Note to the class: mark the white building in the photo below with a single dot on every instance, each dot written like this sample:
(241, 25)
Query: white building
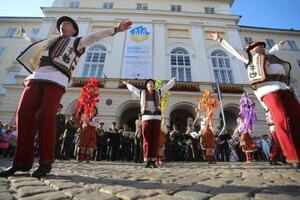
(176, 44)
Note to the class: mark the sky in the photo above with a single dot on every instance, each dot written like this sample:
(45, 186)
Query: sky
(282, 14)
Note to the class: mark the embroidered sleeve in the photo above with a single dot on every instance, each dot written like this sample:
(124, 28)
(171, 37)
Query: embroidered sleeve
(32, 37)
(134, 90)
(239, 54)
(168, 86)
(92, 38)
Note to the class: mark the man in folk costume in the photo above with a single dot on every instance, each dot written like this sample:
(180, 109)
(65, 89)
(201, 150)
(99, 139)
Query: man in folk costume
(151, 116)
(269, 77)
(50, 63)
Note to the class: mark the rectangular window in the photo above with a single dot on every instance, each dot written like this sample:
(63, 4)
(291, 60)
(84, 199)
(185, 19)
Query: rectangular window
(86, 70)
(142, 6)
(176, 8)
(247, 40)
(35, 31)
(292, 44)
(1, 51)
(188, 74)
(10, 32)
(270, 43)
(209, 10)
(108, 5)
(298, 62)
(74, 4)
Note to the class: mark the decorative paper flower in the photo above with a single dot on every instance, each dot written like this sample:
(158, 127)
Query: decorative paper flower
(164, 99)
(88, 99)
(247, 114)
(208, 103)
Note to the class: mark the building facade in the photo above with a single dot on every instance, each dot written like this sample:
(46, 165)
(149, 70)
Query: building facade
(171, 39)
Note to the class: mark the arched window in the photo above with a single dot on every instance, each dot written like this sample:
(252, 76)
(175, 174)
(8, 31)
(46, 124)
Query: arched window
(94, 61)
(221, 64)
(181, 64)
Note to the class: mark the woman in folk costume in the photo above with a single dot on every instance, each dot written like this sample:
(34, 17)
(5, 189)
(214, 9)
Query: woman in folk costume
(208, 141)
(246, 120)
(151, 116)
(269, 77)
(50, 63)
(87, 140)
(86, 105)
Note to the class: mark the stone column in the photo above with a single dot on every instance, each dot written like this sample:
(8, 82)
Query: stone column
(160, 66)
(201, 71)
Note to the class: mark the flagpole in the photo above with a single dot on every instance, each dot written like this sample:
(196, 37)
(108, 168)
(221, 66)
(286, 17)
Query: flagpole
(221, 104)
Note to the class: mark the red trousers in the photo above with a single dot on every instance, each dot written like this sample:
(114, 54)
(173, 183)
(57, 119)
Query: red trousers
(275, 148)
(40, 97)
(285, 110)
(150, 131)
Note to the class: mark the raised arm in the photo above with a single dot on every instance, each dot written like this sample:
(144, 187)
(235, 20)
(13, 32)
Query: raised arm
(28, 36)
(92, 38)
(168, 86)
(239, 54)
(132, 89)
(276, 49)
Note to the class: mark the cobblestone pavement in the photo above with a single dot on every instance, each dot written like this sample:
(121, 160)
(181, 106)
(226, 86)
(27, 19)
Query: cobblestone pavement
(182, 181)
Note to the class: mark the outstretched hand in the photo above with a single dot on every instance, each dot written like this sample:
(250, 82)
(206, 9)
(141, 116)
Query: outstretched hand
(124, 25)
(21, 31)
(282, 42)
(215, 36)
(125, 82)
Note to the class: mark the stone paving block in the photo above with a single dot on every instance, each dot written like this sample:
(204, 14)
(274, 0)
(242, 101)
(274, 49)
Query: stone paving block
(14, 179)
(136, 194)
(6, 196)
(199, 188)
(191, 195)
(4, 188)
(64, 185)
(94, 196)
(19, 184)
(114, 189)
(163, 197)
(95, 186)
(32, 190)
(47, 196)
(231, 196)
(72, 192)
(234, 189)
(264, 196)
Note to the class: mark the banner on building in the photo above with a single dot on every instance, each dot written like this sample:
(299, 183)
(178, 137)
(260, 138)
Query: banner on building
(137, 60)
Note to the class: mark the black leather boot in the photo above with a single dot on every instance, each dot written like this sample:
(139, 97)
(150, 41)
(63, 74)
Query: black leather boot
(42, 170)
(153, 164)
(12, 170)
(147, 164)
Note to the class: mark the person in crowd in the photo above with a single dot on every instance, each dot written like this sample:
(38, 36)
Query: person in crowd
(71, 127)
(60, 128)
(101, 143)
(113, 142)
(138, 141)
